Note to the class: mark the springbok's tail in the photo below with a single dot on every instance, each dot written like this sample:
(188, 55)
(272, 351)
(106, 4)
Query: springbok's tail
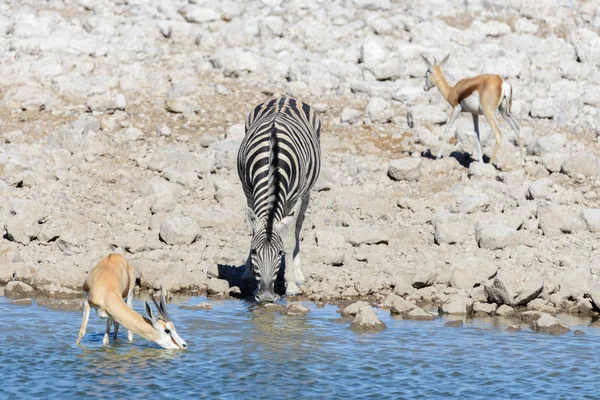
(506, 99)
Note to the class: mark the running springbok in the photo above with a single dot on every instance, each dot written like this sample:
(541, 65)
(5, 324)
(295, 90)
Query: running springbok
(107, 286)
(480, 95)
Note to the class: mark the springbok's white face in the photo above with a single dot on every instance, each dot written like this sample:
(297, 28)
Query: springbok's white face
(168, 337)
(433, 71)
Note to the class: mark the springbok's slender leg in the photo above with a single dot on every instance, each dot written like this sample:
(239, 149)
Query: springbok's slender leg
(109, 322)
(477, 136)
(130, 304)
(298, 275)
(84, 322)
(449, 123)
(491, 119)
(116, 332)
(513, 124)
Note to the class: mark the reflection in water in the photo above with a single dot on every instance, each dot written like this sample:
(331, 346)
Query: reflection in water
(276, 335)
(238, 352)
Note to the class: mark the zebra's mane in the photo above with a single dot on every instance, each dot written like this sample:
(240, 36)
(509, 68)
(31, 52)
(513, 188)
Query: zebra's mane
(274, 177)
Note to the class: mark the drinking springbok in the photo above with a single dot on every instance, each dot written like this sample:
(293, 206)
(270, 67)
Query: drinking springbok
(105, 288)
(480, 95)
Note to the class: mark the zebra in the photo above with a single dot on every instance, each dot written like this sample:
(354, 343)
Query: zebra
(278, 163)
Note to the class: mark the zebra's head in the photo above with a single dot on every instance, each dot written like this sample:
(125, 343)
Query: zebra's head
(266, 253)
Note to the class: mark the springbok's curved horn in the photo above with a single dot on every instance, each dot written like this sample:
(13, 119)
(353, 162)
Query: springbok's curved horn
(426, 60)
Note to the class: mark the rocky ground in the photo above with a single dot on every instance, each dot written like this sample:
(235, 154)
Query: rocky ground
(120, 122)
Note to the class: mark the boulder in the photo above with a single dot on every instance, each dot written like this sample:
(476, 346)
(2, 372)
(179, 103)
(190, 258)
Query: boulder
(549, 324)
(400, 306)
(484, 308)
(471, 271)
(482, 171)
(217, 286)
(379, 110)
(585, 164)
(418, 314)
(542, 108)
(373, 51)
(496, 236)
(553, 143)
(179, 230)
(352, 309)
(196, 14)
(350, 115)
(513, 287)
(366, 236)
(556, 219)
(18, 290)
(591, 218)
(540, 189)
(505, 311)
(296, 308)
(457, 304)
(450, 231)
(366, 320)
(405, 169)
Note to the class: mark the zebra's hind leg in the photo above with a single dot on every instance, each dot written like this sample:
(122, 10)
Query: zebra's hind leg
(297, 263)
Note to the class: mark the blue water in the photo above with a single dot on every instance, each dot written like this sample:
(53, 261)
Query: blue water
(235, 353)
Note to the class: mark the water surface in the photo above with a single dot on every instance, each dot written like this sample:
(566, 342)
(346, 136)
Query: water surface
(237, 354)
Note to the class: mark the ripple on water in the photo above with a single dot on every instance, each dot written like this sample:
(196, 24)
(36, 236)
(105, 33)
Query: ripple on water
(237, 353)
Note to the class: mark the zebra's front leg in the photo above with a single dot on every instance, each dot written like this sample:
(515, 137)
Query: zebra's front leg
(299, 276)
(289, 246)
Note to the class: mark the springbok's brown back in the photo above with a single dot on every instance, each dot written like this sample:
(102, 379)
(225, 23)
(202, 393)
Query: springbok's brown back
(115, 275)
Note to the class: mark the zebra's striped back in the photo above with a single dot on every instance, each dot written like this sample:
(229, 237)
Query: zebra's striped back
(279, 158)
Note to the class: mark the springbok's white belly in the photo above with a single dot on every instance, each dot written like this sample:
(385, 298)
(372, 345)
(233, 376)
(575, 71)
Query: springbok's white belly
(101, 313)
(471, 104)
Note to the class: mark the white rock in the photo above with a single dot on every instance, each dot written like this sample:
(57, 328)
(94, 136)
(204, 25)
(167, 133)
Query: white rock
(513, 287)
(592, 95)
(585, 164)
(549, 324)
(428, 114)
(364, 235)
(179, 230)
(496, 236)
(591, 217)
(373, 51)
(379, 110)
(457, 304)
(350, 115)
(366, 320)
(471, 271)
(540, 189)
(195, 14)
(236, 61)
(542, 108)
(547, 144)
(556, 219)
(405, 169)
(163, 130)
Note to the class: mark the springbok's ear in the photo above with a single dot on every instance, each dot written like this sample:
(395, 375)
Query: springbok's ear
(163, 306)
(251, 219)
(426, 60)
(149, 313)
(445, 59)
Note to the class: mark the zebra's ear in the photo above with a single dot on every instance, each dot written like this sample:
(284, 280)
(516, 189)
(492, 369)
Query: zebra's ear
(251, 219)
